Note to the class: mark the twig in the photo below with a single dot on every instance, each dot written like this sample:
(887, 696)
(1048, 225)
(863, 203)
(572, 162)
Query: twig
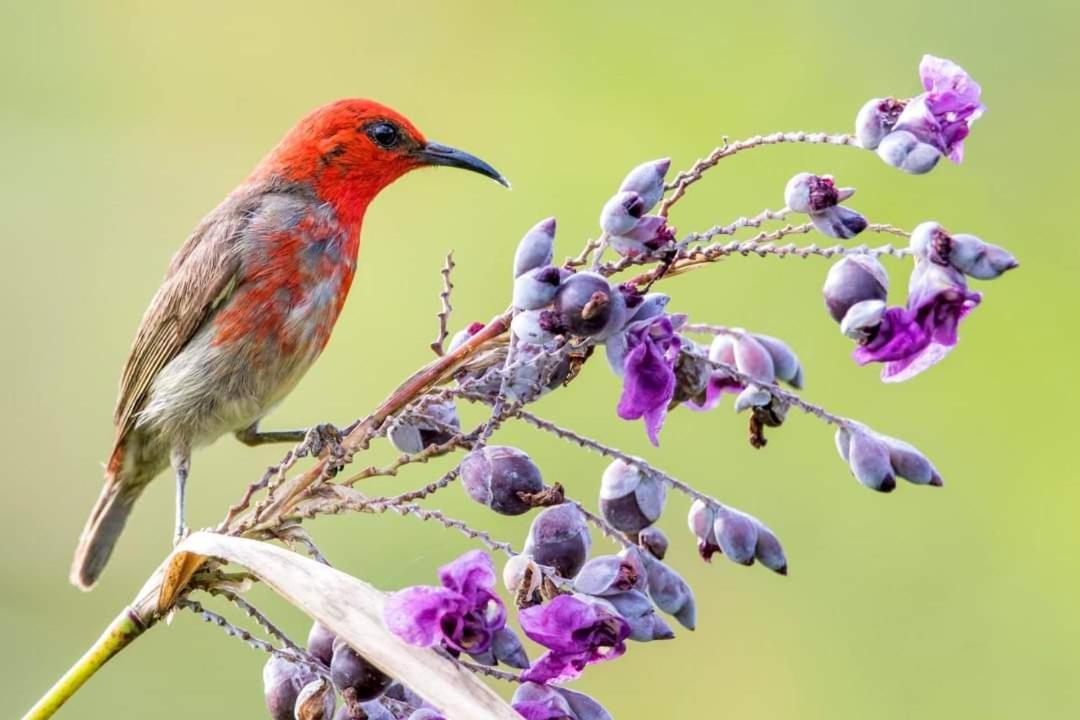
(446, 308)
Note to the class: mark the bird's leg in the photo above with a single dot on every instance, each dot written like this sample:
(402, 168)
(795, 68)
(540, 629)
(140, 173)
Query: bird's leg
(180, 458)
(314, 439)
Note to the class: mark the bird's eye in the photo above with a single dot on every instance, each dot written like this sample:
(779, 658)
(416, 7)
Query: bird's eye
(384, 134)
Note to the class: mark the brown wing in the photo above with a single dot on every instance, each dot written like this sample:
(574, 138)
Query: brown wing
(200, 276)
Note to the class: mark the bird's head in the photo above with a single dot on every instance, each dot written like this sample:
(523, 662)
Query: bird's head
(351, 149)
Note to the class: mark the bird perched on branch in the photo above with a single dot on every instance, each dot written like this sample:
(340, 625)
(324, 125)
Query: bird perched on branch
(249, 302)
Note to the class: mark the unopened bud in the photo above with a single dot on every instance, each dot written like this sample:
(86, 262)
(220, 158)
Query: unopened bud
(654, 541)
(752, 396)
(751, 358)
(671, 593)
(853, 279)
(507, 649)
(868, 459)
(639, 612)
(630, 499)
(355, 678)
(587, 306)
(519, 570)
(621, 213)
(809, 194)
(497, 476)
(431, 426)
(875, 120)
(537, 248)
(785, 362)
(533, 700)
(862, 318)
(648, 235)
(461, 336)
(736, 534)
(647, 180)
(282, 682)
(839, 222)
(583, 706)
(910, 464)
(320, 643)
(903, 150)
(701, 518)
(611, 574)
(536, 288)
(373, 710)
(966, 253)
(315, 701)
(536, 326)
(559, 538)
(768, 549)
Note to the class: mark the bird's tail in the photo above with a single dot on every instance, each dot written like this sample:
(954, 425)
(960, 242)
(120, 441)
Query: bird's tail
(103, 528)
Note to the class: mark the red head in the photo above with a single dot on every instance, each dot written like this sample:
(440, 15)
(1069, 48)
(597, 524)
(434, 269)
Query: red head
(351, 149)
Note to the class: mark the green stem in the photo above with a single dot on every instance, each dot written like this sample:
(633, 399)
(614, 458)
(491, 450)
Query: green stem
(117, 636)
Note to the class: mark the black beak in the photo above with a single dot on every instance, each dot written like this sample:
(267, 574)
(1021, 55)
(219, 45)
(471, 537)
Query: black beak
(435, 154)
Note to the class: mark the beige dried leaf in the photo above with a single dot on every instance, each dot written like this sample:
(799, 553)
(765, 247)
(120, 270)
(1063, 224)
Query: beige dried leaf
(353, 610)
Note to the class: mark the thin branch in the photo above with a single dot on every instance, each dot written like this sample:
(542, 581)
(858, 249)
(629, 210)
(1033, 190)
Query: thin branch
(446, 307)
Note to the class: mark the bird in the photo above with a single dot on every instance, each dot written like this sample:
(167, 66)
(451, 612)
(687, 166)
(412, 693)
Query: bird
(249, 302)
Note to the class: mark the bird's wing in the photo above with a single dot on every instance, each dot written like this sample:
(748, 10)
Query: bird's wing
(200, 277)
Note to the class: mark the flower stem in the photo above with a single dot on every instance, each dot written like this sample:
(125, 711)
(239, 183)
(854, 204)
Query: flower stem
(117, 636)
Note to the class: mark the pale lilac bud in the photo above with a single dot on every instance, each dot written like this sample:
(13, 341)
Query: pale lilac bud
(751, 358)
(559, 538)
(622, 212)
(737, 535)
(651, 305)
(638, 610)
(768, 550)
(461, 336)
(425, 714)
(839, 222)
(536, 288)
(587, 306)
(654, 541)
(320, 643)
(701, 519)
(647, 180)
(910, 464)
(497, 476)
(648, 235)
(354, 676)
(413, 433)
(752, 396)
(537, 248)
(373, 710)
(875, 120)
(853, 279)
(533, 700)
(610, 575)
(903, 150)
(507, 649)
(630, 499)
(583, 706)
(966, 253)
(315, 701)
(671, 593)
(282, 682)
(517, 570)
(536, 326)
(785, 362)
(868, 458)
(862, 318)
(809, 194)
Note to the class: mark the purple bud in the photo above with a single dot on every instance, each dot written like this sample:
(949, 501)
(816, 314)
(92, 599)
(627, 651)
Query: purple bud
(751, 358)
(320, 643)
(651, 305)
(315, 701)
(399, 692)
(638, 610)
(507, 648)
(648, 235)
(583, 706)
(903, 150)
(282, 682)
(559, 538)
(587, 306)
(536, 288)
(752, 396)
(876, 119)
(536, 326)
(373, 710)
(647, 180)
(785, 361)
(909, 463)
(868, 458)
(701, 519)
(537, 248)
(534, 701)
(810, 194)
(411, 434)
(621, 213)
(461, 336)
(425, 714)
(839, 222)
(853, 279)
(862, 318)
(736, 534)
(654, 541)
(496, 475)
(629, 499)
(671, 593)
(768, 550)
(355, 678)
(611, 574)
(967, 253)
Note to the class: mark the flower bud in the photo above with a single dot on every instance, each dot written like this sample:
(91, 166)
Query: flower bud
(630, 499)
(282, 682)
(785, 362)
(320, 643)
(853, 279)
(862, 318)
(868, 458)
(752, 396)
(737, 535)
(507, 648)
(768, 549)
(355, 678)
(533, 700)
(839, 222)
(497, 475)
(651, 305)
(425, 714)
(647, 180)
(519, 569)
(671, 593)
(654, 541)
(701, 519)
(875, 120)
(411, 434)
(638, 610)
(966, 253)
(461, 336)
(610, 575)
(621, 213)
(559, 538)
(648, 235)
(537, 327)
(810, 194)
(399, 692)
(910, 464)
(315, 701)
(751, 358)
(583, 706)
(903, 150)
(373, 710)
(587, 306)
(536, 288)
(536, 249)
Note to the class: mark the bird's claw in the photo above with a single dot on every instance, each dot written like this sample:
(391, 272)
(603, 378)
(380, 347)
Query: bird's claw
(181, 534)
(323, 437)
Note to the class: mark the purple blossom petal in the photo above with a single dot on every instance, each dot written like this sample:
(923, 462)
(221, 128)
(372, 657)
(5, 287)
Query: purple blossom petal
(471, 575)
(649, 374)
(943, 115)
(417, 614)
(577, 634)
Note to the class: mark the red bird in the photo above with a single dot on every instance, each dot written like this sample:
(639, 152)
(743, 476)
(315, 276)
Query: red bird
(249, 302)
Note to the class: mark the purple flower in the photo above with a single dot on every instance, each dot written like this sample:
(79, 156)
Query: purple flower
(464, 614)
(540, 702)
(576, 633)
(943, 115)
(652, 350)
(913, 338)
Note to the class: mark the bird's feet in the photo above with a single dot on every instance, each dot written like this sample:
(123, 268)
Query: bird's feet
(182, 531)
(325, 437)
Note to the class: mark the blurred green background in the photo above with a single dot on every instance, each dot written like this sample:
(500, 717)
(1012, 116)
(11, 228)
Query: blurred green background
(122, 123)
